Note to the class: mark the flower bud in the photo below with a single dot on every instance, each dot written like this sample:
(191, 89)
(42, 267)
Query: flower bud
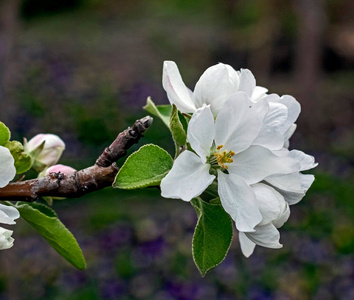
(60, 168)
(6, 241)
(66, 170)
(45, 148)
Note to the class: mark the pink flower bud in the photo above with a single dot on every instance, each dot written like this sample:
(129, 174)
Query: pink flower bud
(60, 168)
(52, 149)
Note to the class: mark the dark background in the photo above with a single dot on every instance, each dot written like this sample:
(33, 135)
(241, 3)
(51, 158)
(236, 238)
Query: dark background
(83, 70)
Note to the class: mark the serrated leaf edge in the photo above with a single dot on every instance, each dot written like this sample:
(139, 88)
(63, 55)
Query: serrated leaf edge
(203, 273)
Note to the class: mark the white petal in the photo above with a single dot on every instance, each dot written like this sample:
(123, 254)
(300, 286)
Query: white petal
(269, 138)
(293, 187)
(276, 116)
(271, 135)
(306, 181)
(6, 241)
(7, 167)
(271, 204)
(247, 82)
(306, 161)
(288, 134)
(8, 214)
(284, 216)
(257, 163)
(188, 178)
(176, 90)
(239, 201)
(239, 122)
(258, 93)
(287, 182)
(215, 86)
(201, 132)
(247, 246)
(283, 152)
(266, 236)
(293, 106)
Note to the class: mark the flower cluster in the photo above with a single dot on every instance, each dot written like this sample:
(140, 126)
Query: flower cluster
(45, 151)
(239, 138)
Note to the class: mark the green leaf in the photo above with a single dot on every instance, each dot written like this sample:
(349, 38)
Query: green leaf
(161, 111)
(23, 161)
(45, 221)
(178, 133)
(145, 167)
(212, 236)
(5, 134)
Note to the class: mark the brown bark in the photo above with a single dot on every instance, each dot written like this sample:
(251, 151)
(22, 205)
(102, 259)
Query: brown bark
(82, 182)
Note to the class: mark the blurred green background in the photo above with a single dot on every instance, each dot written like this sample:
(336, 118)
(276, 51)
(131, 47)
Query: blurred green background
(83, 69)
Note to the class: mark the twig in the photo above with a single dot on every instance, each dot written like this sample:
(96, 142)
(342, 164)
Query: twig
(82, 182)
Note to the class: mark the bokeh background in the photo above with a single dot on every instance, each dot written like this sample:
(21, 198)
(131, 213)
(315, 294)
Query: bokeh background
(83, 69)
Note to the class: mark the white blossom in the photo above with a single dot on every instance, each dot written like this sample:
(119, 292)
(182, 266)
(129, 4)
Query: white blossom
(214, 87)
(7, 167)
(239, 137)
(224, 149)
(8, 215)
(6, 241)
(52, 149)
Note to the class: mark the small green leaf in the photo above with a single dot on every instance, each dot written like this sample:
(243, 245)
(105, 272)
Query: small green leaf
(212, 236)
(5, 134)
(23, 161)
(45, 221)
(145, 167)
(161, 111)
(178, 133)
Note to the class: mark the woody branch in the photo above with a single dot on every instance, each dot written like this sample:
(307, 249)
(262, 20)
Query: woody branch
(82, 182)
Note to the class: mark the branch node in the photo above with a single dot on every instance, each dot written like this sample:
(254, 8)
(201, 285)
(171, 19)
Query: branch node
(77, 184)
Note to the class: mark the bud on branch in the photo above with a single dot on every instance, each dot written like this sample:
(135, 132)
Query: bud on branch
(82, 182)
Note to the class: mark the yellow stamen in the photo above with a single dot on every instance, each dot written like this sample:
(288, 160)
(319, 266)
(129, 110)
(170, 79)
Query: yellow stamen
(220, 158)
(223, 157)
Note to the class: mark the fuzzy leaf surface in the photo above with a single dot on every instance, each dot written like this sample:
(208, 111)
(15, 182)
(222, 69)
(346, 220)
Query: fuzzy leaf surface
(23, 161)
(161, 111)
(143, 168)
(179, 135)
(212, 236)
(45, 221)
(4, 134)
